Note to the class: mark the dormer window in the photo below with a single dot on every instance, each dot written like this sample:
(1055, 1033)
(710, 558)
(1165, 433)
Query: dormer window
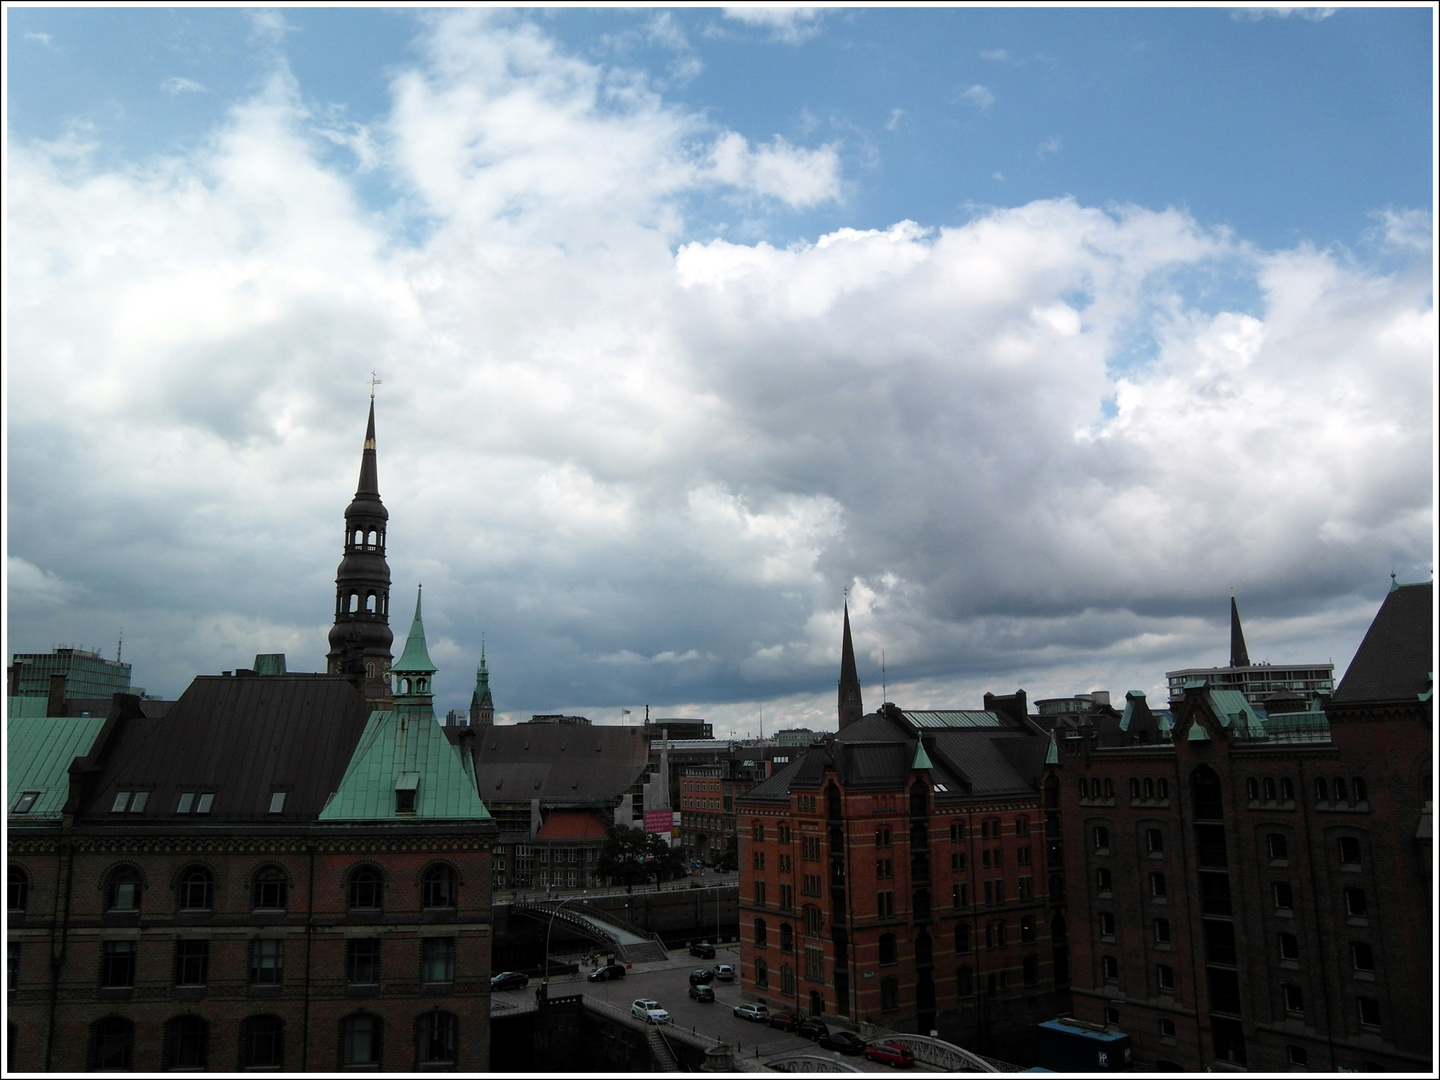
(277, 802)
(190, 802)
(133, 801)
(405, 789)
(25, 802)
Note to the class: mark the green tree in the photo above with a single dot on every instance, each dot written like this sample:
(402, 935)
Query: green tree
(630, 855)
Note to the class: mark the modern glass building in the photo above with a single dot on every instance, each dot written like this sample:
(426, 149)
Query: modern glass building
(87, 675)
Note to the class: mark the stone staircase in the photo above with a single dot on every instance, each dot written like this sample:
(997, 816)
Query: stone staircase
(660, 1051)
(644, 952)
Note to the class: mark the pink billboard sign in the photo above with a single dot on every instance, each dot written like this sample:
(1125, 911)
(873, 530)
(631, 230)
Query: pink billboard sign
(659, 821)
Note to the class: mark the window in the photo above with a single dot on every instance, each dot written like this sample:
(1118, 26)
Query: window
(437, 1037)
(1369, 1011)
(759, 894)
(1110, 968)
(1355, 902)
(995, 935)
(757, 832)
(437, 959)
(1157, 885)
(1362, 956)
(186, 1043)
(122, 889)
(112, 1044)
(1022, 826)
(1252, 789)
(1084, 788)
(887, 949)
(1297, 1055)
(1027, 930)
(1102, 879)
(1322, 789)
(810, 848)
(884, 868)
(1276, 846)
(437, 887)
(1107, 923)
(1167, 1029)
(366, 887)
(787, 898)
(360, 1040)
(362, 961)
(964, 982)
(1161, 928)
(262, 1043)
(814, 964)
(1154, 840)
(1162, 788)
(133, 801)
(1102, 838)
(268, 892)
(405, 797)
(12, 964)
(889, 994)
(117, 963)
(1109, 788)
(762, 972)
(25, 802)
(962, 937)
(1288, 945)
(1134, 787)
(957, 862)
(882, 837)
(192, 962)
(1359, 788)
(957, 831)
(1022, 856)
(787, 938)
(1340, 795)
(1268, 787)
(762, 935)
(17, 896)
(1350, 850)
(196, 889)
(885, 904)
(960, 895)
(267, 961)
(1282, 894)
(757, 860)
(1165, 977)
(1149, 788)
(1294, 998)
(1287, 789)
(277, 802)
(782, 832)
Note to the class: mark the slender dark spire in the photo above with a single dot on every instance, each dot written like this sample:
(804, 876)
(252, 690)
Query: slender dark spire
(851, 707)
(1238, 656)
(369, 483)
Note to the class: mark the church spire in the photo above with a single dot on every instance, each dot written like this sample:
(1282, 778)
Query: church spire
(414, 672)
(851, 707)
(482, 705)
(360, 640)
(1238, 656)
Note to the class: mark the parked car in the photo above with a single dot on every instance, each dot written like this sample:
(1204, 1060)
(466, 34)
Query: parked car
(785, 1021)
(725, 973)
(847, 1042)
(509, 980)
(811, 1028)
(703, 949)
(701, 992)
(702, 975)
(607, 972)
(649, 1011)
(751, 1011)
(890, 1053)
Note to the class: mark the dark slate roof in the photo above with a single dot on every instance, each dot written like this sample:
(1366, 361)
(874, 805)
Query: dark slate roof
(776, 789)
(557, 763)
(994, 764)
(241, 737)
(1394, 662)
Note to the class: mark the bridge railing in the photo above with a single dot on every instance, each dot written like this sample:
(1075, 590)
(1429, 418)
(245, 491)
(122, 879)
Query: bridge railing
(944, 1055)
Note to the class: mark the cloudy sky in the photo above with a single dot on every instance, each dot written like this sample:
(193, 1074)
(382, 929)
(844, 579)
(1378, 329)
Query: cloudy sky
(1035, 330)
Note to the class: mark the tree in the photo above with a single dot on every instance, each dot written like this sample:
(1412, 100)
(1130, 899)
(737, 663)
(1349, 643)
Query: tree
(729, 859)
(630, 855)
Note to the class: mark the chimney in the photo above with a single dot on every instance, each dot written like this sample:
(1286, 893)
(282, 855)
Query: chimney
(56, 707)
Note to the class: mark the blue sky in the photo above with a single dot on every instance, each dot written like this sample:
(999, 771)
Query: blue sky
(691, 319)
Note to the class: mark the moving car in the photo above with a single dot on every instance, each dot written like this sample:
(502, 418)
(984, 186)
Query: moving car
(701, 992)
(724, 972)
(649, 1011)
(702, 975)
(811, 1028)
(785, 1021)
(847, 1042)
(703, 949)
(890, 1053)
(509, 980)
(606, 972)
(751, 1011)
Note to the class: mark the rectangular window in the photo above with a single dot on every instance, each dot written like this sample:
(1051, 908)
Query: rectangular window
(759, 894)
(187, 800)
(1022, 856)
(1107, 924)
(204, 802)
(815, 965)
(785, 865)
(1165, 976)
(989, 894)
(985, 860)
(117, 963)
(957, 831)
(12, 963)
(787, 897)
(1297, 1055)
(1288, 945)
(1162, 931)
(1369, 1011)
(1355, 902)
(958, 897)
(267, 961)
(1167, 1029)
(957, 862)
(137, 803)
(999, 892)
(1350, 850)
(1276, 846)
(885, 904)
(995, 859)
(437, 963)
(1294, 998)
(362, 961)
(1110, 968)
(192, 962)
(122, 800)
(1102, 879)
(964, 982)
(1282, 894)
(1027, 888)
(277, 802)
(757, 860)
(884, 868)
(25, 802)
(1362, 956)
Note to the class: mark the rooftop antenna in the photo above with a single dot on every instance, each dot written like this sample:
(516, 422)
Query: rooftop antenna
(120, 644)
(762, 721)
(374, 382)
(884, 689)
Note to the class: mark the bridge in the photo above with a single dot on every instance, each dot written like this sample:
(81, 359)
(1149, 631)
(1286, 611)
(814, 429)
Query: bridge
(608, 930)
(947, 1057)
(800, 1061)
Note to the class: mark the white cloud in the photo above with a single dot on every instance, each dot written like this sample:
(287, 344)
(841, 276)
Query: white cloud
(1255, 14)
(998, 56)
(979, 96)
(1049, 146)
(1413, 229)
(790, 25)
(894, 119)
(177, 85)
(43, 39)
(794, 175)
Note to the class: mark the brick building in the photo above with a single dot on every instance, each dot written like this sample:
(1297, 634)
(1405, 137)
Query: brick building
(1254, 891)
(893, 875)
(708, 794)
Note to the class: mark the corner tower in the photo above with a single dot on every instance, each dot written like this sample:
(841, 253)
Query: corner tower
(851, 707)
(360, 640)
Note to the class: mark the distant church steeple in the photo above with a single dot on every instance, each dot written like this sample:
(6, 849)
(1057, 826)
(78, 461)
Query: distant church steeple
(1238, 656)
(482, 705)
(851, 707)
(360, 640)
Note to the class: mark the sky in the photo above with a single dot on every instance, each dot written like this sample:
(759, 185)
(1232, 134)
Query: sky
(1033, 332)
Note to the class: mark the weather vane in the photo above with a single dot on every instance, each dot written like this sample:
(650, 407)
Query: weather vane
(374, 382)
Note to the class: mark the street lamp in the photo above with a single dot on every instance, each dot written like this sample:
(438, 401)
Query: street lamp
(545, 980)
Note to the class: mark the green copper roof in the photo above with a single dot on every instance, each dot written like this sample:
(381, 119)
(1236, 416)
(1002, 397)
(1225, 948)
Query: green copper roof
(1052, 755)
(415, 658)
(922, 759)
(1233, 709)
(38, 753)
(406, 750)
(1197, 732)
(956, 718)
(16, 707)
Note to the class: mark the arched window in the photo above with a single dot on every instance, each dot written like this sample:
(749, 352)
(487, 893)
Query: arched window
(1252, 788)
(197, 889)
(1149, 788)
(787, 980)
(962, 937)
(112, 1044)
(370, 538)
(122, 890)
(1162, 789)
(1287, 789)
(1322, 789)
(1030, 968)
(924, 948)
(919, 799)
(437, 1037)
(1134, 788)
(366, 888)
(1157, 885)
(360, 1039)
(1209, 798)
(787, 938)
(1268, 787)
(887, 949)
(1027, 930)
(187, 1041)
(761, 934)
(17, 895)
(268, 889)
(370, 603)
(1109, 788)
(354, 601)
(1102, 838)
(1084, 788)
(1340, 795)
(762, 972)
(262, 1043)
(438, 887)
(1361, 792)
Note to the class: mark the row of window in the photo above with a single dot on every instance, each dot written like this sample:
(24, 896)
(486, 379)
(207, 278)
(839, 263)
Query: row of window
(1256, 788)
(1276, 845)
(267, 961)
(1362, 954)
(269, 888)
(186, 1045)
(990, 829)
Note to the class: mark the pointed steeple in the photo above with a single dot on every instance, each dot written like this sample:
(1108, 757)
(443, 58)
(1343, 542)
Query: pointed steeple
(482, 705)
(851, 707)
(414, 673)
(1238, 656)
(360, 640)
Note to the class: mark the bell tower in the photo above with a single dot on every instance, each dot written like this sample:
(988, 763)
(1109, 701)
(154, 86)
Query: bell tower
(360, 640)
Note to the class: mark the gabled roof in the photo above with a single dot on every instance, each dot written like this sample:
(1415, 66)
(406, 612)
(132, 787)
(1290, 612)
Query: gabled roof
(38, 754)
(557, 763)
(776, 788)
(399, 749)
(1394, 662)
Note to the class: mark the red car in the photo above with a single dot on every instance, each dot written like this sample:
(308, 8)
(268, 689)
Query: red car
(785, 1021)
(889, 1053)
